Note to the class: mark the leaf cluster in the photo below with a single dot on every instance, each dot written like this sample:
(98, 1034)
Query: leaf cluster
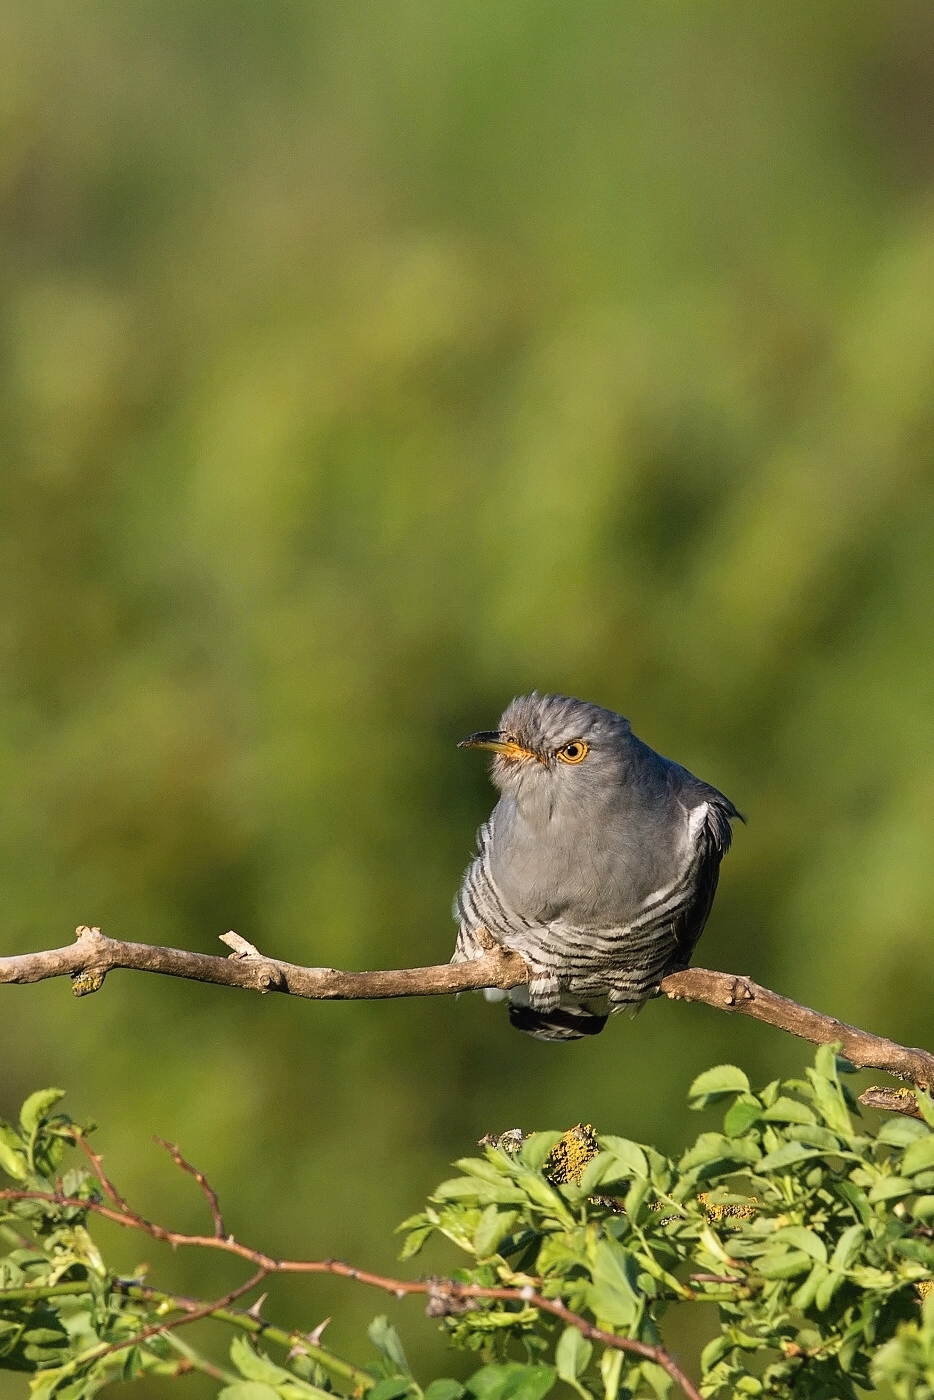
(812, 1234)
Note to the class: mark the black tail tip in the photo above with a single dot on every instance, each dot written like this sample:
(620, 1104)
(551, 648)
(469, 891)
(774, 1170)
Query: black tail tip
(557, 1024)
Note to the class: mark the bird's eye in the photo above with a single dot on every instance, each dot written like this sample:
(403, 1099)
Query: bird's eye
(574, 752)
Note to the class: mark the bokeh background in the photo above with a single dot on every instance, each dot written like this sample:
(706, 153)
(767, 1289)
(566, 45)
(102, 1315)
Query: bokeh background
(368, 362)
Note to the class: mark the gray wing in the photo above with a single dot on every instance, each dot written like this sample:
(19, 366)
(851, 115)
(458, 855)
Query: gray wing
(630, 961)
(713, 842)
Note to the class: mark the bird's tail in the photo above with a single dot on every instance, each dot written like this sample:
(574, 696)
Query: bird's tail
(559, 1024)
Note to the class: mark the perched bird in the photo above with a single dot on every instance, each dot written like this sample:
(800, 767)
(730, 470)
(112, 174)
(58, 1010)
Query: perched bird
(599, 863)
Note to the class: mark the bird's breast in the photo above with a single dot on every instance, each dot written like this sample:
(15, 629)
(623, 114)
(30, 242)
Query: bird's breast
(591, 873)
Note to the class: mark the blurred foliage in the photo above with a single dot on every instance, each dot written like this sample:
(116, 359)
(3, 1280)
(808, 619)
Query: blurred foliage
(811, 1235)
(363, 365)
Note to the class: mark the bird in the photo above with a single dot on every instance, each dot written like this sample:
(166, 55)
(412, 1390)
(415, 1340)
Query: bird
(599, 863)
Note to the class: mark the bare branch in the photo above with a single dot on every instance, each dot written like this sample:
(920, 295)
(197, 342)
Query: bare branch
(93, 954)
(727, 992)
(88, 960)
(202, 1181)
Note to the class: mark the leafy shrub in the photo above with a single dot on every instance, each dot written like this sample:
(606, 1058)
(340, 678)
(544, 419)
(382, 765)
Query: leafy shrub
(813, 1235)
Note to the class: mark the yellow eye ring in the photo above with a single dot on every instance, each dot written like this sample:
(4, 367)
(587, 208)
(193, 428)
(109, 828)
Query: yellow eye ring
(574, 752)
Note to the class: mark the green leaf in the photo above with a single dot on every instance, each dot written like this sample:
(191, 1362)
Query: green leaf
(785, 1156)
(635, 1198)
(925, 1106)
(715, 1351)
(825, 1061)
(533, 1385)
(540, 1193)
(923, 1208)
(471, 1188)
(919, 1156)
(13, 1163)
(494, 1226)
(46, 1336)
(386, 1340)
(628, 1154)
(37, 1107)
(657, 1377)
(572, 1354)
(390, 1388)
(785, 1110)
(741, 1116)
(512, 1381)
(919, 1250)
(483, 1168)
(132, 1365)
(614, 1295)
(889, 1188)
(249, 1390)
(784, 1263)
(714, 1147)
(600, 1171)
(444, 1389)
(847, 1247)
(537, 1149)
(858, 1199)
(715, 1083)
(611, 1364)
(806, 1294)
(900, 1131)
(416, 1238)
(254, 1366)
(829, 1099)
(826, 1289)
(801, 1238)
(821, 1138)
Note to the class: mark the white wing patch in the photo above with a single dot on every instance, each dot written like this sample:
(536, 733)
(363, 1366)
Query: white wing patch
(697, 819)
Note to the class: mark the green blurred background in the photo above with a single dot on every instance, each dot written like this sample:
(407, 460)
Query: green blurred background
(366, 364)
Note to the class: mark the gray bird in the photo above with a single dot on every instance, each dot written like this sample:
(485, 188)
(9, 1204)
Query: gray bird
(599, 863)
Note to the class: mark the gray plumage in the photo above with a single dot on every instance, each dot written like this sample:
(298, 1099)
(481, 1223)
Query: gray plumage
(599, 863)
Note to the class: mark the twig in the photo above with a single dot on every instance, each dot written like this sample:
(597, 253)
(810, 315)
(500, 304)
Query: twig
(92, 956)
(202, 1181)
(97, 1165)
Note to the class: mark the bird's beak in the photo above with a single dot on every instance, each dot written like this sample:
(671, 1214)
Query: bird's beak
(498, 742)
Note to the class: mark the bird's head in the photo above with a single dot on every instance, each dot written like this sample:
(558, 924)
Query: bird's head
(548, 746)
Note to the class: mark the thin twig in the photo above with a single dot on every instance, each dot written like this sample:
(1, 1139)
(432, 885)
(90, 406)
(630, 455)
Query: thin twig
(202, 1181)
(97, 1165)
